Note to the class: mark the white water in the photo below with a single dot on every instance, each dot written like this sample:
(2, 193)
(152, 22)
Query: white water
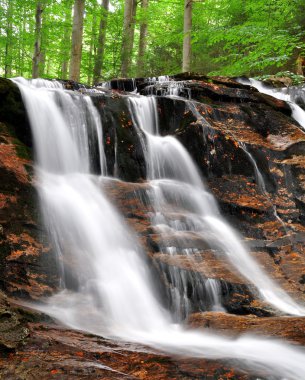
(89, 234)
(176, 184)
(114, 295)
(165, 86)
(285, 94)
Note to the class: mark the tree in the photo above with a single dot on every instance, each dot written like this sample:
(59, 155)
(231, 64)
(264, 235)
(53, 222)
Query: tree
(229, 37)
(128, 35)
(65, 40)
(37, 57)
(187, 29)
(8, 45)
(99, 59)
(77, 36)
(142, 39)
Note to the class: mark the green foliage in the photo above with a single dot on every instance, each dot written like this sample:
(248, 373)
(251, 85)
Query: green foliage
(229, 37)
(296, 79)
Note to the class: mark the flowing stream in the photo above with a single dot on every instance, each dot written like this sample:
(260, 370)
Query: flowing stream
(113, 292)
(289, 94)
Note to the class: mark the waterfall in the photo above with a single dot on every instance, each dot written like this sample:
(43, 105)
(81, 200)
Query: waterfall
(290, 95)
(112, 291)
(177, 188)
(94, 243)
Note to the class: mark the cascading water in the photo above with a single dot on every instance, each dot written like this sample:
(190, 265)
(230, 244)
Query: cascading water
(290, 95)
(93, 241)
(258, 175)
(178, 189)
(167, 87)
(112, 292)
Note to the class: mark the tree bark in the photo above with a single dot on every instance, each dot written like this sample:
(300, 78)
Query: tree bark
(63, 72)
(8, 43)
(77, 37)
(128, 36)
(99, 59)
(37, 46)
(187, 29)
(300, 65)
(142, 40)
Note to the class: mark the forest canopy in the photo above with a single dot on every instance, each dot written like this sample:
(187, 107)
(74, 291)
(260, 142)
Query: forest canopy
(119, 38)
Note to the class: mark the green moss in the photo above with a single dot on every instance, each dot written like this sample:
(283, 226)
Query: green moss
(23, 151)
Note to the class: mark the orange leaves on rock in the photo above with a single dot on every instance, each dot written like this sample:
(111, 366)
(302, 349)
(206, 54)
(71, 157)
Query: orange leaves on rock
(80, 354)
(54, 372)
(25, 244)
(294, 256)
(5, 199)
(10, 160)
(230, 375)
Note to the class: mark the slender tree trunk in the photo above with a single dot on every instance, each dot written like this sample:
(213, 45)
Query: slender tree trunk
(37, 46)
(300, 65)
(66, 40)
(128, 35)
(22, 48)
(187, 29)
(98, 66)
(77, 37)
(64, 69)
(142, 40)
(8, 43)
(92, 46)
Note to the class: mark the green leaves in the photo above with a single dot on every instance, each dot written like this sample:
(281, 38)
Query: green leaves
(255, 36)
(229, 37)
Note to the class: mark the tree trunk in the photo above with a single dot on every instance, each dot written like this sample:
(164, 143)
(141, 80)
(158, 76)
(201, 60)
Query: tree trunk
(99, 59)
(92, 47)
(187, 29)
(77, 37)
(23, 44)
(8, 44)
(300, 65)
(128, 36)
(65, 41)
(37, 46)
(142, 40)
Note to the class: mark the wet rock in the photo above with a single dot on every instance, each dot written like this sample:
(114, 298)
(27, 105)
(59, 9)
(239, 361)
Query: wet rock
(27, 262)
(291, 329)
(13, 330)
(12, 111)
(123, 149)
(53, 352)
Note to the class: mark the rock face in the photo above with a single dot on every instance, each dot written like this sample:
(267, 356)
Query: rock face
(28, 267)
(250, 153)
(12, 329)
(290, 328)
(56, 353)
